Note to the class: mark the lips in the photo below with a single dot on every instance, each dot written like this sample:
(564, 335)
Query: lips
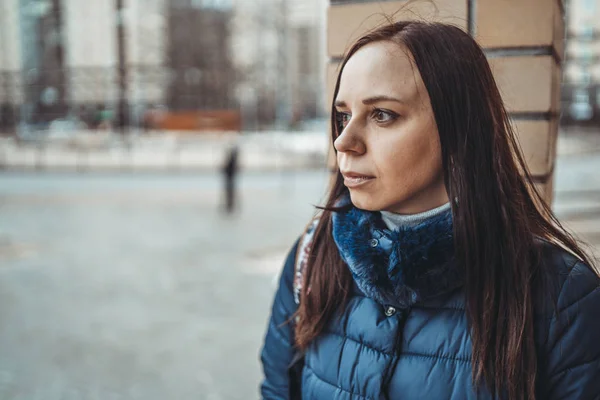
(354, 179)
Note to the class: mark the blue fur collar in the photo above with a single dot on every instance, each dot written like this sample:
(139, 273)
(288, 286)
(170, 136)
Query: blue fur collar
(399, 267)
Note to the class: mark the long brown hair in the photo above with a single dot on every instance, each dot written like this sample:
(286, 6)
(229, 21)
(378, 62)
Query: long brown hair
(496, 221)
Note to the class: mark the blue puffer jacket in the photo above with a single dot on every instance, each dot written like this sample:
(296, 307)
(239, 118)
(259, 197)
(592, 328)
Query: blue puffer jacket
(404, 333)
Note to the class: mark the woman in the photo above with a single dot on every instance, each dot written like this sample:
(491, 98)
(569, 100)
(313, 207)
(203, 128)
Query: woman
(431, 273)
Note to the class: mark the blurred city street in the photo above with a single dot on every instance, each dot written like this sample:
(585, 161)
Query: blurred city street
(137, 286)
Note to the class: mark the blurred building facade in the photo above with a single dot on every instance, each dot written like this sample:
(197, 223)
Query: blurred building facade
(279, 50)
(581, 88)
(68, 60)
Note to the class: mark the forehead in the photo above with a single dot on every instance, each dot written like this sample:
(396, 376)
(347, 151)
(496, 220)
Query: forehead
(380, 68)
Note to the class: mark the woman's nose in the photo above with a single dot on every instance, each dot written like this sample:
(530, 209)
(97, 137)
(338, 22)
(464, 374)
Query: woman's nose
(349, 141)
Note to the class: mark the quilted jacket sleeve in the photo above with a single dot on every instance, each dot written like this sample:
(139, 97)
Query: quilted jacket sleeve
(574, 338)
(278, 352)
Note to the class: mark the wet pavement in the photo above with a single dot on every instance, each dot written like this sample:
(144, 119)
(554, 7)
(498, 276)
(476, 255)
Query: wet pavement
(138, 287)
(125, 286)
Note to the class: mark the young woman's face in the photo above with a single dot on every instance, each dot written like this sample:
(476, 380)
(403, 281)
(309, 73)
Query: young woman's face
(389, 150)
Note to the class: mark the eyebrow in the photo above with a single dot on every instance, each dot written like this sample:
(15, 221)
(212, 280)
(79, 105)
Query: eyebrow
(370, 100)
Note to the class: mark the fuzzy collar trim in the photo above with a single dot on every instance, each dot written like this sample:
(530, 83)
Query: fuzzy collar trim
(416, 264)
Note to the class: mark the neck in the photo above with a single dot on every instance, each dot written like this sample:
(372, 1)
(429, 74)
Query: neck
(394, 221)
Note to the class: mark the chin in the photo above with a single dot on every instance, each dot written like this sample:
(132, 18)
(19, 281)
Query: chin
(365, 202)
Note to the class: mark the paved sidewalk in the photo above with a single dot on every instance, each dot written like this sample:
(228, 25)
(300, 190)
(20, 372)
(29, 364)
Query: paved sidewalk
(137, 286)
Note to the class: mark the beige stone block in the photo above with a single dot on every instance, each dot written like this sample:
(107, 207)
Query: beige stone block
(559, 30)
(525, 82)
(347, 22)
(556, 88)
(536, 140)
(550, 191)
(510, 23)
(555, 129)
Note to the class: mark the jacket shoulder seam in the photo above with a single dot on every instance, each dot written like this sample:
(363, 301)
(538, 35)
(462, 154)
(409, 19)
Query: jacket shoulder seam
(569, 277)
(570, 269)
(580, 299)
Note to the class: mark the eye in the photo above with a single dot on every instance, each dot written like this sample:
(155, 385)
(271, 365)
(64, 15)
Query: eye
(342, 119)
(383, 116)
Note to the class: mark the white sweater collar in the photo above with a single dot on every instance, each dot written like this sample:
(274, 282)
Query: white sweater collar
(394, 221)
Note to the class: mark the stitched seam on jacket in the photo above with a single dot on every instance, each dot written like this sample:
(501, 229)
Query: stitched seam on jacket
(436, 357)
(556, 316)
(567, 369)
(438, 308)
(359, 342)
(275, 329)
(336, 386)
(410, 354)
(567, 279)
(580, 299)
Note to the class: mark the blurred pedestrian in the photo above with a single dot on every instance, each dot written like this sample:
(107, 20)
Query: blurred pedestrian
(230, 170)
(433, 271)
(103, 118)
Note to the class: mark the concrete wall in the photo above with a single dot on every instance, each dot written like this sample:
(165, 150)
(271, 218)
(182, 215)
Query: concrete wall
(524, 44)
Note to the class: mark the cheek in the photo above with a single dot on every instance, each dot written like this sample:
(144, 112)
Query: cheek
(410, 160)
